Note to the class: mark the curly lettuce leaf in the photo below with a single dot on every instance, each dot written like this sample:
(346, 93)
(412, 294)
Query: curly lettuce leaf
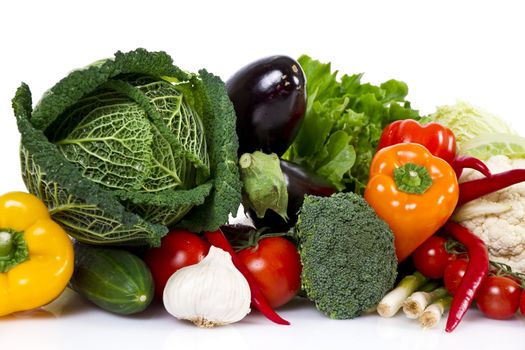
(339, 155)
(343, 123)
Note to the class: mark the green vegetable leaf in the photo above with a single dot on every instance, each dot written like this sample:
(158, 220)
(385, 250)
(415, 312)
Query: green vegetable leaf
(316, 128)
(124, 147)
(219, 122)
(469, 122)
(87, 212)
(394, 91)
(486, 146)
(360, 110)
(340, 155)
(112, 148)
(322, 83)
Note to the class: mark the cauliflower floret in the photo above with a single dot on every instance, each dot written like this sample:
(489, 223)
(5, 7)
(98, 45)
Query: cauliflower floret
(500, 218)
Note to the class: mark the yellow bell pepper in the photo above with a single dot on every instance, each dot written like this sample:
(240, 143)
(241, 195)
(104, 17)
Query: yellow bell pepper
(36, 254)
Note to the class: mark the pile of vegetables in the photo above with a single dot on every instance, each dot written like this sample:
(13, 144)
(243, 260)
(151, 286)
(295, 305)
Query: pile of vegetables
(470, 279)
(134, 165)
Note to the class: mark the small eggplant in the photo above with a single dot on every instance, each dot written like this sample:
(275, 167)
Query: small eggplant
(299, 182)
(269, 97)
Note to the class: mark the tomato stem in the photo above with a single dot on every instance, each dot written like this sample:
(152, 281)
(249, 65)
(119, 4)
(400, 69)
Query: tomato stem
(505, 270)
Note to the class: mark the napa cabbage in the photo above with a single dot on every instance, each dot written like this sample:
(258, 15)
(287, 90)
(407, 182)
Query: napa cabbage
(469, 122)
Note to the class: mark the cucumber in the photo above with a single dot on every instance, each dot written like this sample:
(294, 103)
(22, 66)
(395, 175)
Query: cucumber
(113, 279)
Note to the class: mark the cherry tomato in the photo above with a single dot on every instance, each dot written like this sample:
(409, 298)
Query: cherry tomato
(431, 257)
(522, 303)
(498, 297)
(453, 275)
(178, 249)
(276, 266)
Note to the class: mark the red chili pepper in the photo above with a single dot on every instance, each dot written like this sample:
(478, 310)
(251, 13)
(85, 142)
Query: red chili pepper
(477, 270)
(219, 240)
(461, 162)
(438, 139)
(474, 189)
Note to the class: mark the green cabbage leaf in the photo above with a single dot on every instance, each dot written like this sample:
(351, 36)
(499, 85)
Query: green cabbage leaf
(469, 122)
(127, 147)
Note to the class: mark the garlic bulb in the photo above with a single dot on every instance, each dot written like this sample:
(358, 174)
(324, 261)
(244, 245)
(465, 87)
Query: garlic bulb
(210, 293)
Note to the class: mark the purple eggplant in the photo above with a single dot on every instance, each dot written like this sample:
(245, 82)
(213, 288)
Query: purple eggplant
(299, 182)
(269, 97)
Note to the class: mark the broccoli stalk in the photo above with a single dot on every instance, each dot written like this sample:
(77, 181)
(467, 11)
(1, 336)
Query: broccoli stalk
(393, 301)
(347, 253)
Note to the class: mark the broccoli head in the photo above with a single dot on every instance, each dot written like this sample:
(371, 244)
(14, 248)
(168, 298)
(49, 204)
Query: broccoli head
(347, 253)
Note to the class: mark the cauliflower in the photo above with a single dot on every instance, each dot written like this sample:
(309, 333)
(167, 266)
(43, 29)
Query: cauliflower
(498, 218)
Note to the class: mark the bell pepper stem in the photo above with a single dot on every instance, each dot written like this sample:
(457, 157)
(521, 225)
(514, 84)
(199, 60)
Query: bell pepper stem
(6, 245)
(13, 249)
(412, 178)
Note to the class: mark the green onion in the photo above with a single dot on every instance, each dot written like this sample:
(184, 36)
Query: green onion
(393, 301)
(433, 313)
(415, 305)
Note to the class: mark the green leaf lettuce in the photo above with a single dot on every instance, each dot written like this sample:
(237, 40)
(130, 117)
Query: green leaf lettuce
(343, 123)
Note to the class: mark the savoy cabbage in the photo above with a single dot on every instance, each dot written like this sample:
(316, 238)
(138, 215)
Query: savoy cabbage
(126, 147)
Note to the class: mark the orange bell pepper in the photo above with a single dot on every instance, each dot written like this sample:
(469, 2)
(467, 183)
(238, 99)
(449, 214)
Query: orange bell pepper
(413, 191)
(36, 254)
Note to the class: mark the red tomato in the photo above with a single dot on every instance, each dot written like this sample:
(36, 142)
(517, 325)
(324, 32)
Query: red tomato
(498, 297)
(431, 257)
(453, 275)
(178, 249)
(522, 303)
(276, 266)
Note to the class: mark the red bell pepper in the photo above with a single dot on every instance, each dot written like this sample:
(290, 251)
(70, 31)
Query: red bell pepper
(438, 139)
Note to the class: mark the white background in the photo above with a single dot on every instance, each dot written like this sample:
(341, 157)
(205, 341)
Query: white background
(444, 50)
